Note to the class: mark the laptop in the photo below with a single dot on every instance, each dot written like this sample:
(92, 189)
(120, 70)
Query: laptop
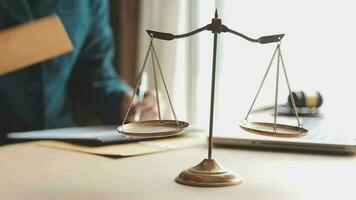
(324, 135)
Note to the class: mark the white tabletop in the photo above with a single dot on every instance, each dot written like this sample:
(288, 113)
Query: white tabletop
(31, 172)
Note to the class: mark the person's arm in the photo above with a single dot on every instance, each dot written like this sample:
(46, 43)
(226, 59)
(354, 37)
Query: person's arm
(94, 82)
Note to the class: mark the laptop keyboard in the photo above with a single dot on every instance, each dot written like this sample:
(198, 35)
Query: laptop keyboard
(319, 129)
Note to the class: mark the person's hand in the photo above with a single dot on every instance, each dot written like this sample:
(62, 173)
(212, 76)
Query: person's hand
(145, 110)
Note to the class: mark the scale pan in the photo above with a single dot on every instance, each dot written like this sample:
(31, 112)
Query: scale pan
(282, 130)
(152, 128)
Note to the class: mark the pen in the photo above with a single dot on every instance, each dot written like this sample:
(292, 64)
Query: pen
(141, 93)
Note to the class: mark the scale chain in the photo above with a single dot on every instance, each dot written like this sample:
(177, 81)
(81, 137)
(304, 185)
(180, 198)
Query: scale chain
(156, 87)
(164, 84)
(289, 90)
(138, 82)
(262, 82)
(276, 94)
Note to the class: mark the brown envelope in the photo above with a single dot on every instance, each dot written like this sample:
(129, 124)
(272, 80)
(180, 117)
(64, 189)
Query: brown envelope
(131, 149)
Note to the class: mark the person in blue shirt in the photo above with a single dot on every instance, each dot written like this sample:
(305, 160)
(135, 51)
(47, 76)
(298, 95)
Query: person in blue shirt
(41, 96)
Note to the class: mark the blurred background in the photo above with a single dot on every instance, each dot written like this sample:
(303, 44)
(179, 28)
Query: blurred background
(318, 51)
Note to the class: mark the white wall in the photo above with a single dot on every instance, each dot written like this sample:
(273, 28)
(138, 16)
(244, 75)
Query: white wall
(319, 52)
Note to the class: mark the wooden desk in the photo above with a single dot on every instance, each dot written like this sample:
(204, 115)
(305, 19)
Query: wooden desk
(30, 172)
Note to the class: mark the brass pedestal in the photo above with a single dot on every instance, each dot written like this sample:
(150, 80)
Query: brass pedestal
(208, 173)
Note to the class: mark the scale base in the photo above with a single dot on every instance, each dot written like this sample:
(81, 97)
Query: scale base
(208, 173)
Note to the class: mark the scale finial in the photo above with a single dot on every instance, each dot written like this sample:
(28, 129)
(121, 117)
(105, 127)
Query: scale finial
(216, 13)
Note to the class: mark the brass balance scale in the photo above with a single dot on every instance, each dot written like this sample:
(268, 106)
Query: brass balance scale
(209, 173)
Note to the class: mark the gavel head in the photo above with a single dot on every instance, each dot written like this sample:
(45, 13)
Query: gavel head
(306, 99)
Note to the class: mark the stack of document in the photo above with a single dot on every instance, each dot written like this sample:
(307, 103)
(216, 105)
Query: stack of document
(106, 141)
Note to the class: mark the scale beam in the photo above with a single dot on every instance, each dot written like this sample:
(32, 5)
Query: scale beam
(170, 36)
(262, 40)
(215, 27)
